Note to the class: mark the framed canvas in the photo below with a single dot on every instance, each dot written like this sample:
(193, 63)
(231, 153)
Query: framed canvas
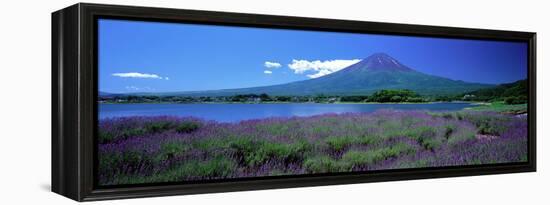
(156, 102)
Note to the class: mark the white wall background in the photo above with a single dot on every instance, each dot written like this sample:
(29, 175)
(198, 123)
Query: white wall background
(25, 102)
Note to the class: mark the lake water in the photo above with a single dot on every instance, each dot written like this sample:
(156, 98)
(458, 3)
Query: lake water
(238, 112)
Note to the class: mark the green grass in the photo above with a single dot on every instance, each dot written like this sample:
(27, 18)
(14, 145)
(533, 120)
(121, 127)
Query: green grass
(322, 164)
(502, 107)
(265, 151)
(339, 143)
(214, 168)
(147, 128)
(257, 152)
(156, 127)
(187, 127)
(106, 137)
(355, 158)
(171, 149)
(426, 136)
(185, 150)
(132, 159)
(461, 137)
(358, 158)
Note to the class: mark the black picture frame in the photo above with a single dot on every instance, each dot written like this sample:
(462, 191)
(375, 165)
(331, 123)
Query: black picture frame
(74, 93)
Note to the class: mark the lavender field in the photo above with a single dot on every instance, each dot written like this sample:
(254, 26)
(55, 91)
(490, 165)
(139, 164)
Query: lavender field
(136, 150)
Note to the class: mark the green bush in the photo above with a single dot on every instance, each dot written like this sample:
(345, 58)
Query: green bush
(133, 132)
(105, 137)
(156, 127)
(415, 99)
(460, 137)
(187, 127)
(425, 136)
(431, 144)
(171, 149)
(356, 158)
(265, 151)
(243, 144)
(515, 100)
(449, 129)
(218, 167)
(321, 164)
(339, 143)
(108, 137)
(126, 163)
(393, 96)
(256, 153)
(208, 144)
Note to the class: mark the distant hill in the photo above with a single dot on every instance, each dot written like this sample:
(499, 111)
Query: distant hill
(106, 94)
(378, 71)
(512, 93)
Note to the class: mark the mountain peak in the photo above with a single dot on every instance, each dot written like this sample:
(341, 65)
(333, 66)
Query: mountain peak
(381, 55)
(376, 72)
(380, 62)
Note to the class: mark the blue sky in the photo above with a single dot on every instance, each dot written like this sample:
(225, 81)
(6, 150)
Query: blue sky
(139, 56)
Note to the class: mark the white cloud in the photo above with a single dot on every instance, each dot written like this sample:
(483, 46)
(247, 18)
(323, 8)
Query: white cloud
(320, 68)
(268, 72)
(139, 75)
(319, 74)
(268, 64)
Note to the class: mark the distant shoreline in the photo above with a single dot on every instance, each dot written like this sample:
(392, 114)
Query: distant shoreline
(335, 103)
